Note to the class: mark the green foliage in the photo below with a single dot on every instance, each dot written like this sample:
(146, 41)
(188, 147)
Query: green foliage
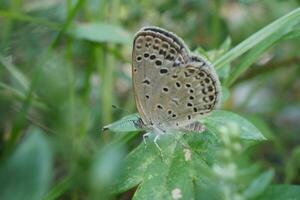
(185, 159)
(126, 124)
(219, 121)
(63, 64)
(160, 178)
(288, 192)
(258, 185)
(27, 173)
(97, 32)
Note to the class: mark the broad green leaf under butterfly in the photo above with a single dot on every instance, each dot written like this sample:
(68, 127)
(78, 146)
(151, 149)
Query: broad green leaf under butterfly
(220, 120)
(214, 122)
(173, 177)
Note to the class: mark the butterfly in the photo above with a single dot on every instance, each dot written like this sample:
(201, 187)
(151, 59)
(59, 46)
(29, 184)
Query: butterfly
(172, 87)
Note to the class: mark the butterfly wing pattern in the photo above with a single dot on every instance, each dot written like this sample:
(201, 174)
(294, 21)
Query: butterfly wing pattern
(172, 87)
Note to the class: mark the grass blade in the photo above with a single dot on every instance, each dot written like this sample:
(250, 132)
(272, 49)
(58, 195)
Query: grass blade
(284, 22)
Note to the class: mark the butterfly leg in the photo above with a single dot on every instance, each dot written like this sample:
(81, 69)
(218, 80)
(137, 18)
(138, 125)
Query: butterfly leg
(158, 147)
(144, 138)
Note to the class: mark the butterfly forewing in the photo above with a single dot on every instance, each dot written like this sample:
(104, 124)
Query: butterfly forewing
(154, 52)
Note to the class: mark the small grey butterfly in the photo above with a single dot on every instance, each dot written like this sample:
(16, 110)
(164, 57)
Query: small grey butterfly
(172, 87)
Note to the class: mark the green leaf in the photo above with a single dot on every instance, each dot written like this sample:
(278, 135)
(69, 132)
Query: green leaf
(202, 52)
(18, 94)
(208, 190)
(251, 57)
(216, 54)
(292, 34)
(27, 173)
(259, 185)
(225, 45)
(106, 166)
(174, 175)
(225, 94)
(15, 72)
(218, 120)
(292, 165)
(270, 30)
(59, 188)
(100, 32)
(105, 169)
(280, 192)
(126, 124)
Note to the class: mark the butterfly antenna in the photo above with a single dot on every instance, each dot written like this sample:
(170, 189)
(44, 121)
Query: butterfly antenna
(120, 109)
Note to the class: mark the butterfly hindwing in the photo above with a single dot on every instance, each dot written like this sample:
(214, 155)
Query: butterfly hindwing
(193, 91)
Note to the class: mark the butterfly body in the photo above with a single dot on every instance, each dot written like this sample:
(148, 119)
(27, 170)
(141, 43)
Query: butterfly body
(173, 88)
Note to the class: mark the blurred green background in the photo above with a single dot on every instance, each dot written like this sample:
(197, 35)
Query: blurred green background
(63, 64)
